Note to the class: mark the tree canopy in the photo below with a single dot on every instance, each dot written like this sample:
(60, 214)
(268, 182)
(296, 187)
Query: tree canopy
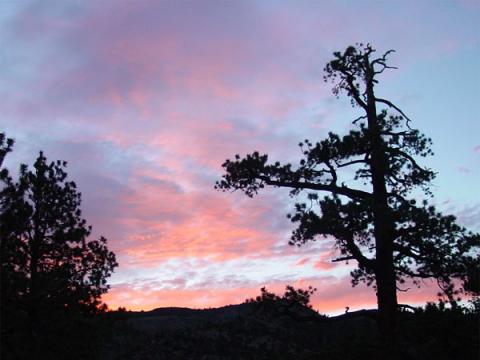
(48, 261)
(383, 219)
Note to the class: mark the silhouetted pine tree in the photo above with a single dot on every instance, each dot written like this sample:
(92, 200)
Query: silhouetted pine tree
(382, 219)
(49, 266)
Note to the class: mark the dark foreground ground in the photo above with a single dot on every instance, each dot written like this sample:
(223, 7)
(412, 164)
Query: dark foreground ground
(248, 331)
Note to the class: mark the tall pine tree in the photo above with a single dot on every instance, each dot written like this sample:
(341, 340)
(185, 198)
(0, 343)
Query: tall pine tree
(382, 219)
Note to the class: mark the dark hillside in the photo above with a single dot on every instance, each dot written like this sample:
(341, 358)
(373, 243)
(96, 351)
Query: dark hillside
(247, 331)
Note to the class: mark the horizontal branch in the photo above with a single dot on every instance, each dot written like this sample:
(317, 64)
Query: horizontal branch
(359, 161)
(392, 133)
(337, 190)
(345, 258)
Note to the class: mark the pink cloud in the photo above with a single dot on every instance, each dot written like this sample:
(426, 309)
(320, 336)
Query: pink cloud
(324, 265)
(302, 261)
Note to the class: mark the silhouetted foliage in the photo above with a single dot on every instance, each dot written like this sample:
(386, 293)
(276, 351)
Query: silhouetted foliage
(6, 145)
(299, 296)
(382, 218)
(294, 303)
(51, 273)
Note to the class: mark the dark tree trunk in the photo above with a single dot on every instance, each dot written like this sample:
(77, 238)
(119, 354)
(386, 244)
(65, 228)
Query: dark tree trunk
(383, 224)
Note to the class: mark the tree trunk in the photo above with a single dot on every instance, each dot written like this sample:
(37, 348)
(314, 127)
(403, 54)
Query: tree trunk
(383, 225)
(386, 293)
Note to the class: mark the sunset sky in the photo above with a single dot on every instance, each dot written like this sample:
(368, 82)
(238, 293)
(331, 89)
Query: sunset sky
(146, 99)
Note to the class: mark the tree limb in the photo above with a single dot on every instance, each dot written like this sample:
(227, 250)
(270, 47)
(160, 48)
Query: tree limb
(332, 172)
(390, 104)
(360, 161)
(358, 119)
(355, 93)
(357, 254)
(339, 190)
(408, 157)
(345, 258)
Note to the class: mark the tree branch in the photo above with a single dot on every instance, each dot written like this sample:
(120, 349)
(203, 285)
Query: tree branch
(363, 261)
(345, 258)
(407, 252)
(332, 172)
(391, 133)
(358, 119)
(360, 161)
(356, 254)
(355, 93)
(338, 190)
(390, 104)
(408, 157)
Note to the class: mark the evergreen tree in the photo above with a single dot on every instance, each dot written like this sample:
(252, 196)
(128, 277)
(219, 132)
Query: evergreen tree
(49, 266)
(382, 219)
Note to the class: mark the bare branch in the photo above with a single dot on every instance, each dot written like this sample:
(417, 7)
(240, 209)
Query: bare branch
(360, 161)
(381, 60)
(390, 104)
(358, 119)
(383, 69)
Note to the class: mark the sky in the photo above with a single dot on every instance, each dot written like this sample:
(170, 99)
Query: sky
(146, 99)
